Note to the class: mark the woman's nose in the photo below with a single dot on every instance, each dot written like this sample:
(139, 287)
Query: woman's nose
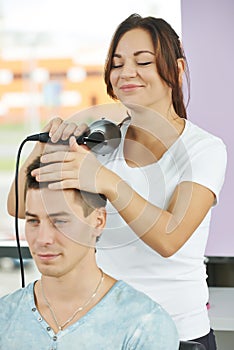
(128, 71)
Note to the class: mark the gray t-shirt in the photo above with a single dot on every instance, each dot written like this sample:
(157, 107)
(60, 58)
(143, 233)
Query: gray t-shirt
(124, 319)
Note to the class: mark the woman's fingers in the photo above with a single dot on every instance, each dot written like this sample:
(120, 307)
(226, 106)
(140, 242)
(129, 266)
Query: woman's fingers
(60, 129)
(61, 166)
(65, 184)
(80, 129)
(75, 168)
(56, 176)
(63, 131)
(53, 125)
(58, 156)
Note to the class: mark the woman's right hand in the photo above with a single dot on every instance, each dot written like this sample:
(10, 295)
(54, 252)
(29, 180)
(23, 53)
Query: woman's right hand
(60, 129)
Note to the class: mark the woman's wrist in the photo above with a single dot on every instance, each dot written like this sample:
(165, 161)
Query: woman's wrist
(118, 192)
(108, 183)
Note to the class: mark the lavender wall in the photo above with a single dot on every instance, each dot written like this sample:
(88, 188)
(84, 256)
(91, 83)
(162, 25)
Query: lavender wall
(208, 40)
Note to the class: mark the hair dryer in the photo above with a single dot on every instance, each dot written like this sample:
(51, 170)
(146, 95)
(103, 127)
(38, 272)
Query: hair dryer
(102, 137)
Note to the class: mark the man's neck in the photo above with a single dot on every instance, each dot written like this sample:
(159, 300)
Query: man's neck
(72, 285)
(62, 301)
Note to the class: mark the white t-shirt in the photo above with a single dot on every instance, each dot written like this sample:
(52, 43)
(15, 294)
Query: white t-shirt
(178, 283)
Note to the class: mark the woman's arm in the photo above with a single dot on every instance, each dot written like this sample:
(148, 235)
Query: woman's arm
(165, 231)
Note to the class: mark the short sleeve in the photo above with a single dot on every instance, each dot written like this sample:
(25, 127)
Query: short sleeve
(207, 166)
(156, 331)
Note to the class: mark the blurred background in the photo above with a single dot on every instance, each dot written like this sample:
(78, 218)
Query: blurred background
(52, 55)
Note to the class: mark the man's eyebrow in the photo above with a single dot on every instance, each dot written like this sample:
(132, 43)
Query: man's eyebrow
(59, 213)
(136, 53)
(27, 213)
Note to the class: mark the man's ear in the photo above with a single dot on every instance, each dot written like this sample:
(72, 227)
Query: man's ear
(181, 69)
(100, 221)
(100, 217)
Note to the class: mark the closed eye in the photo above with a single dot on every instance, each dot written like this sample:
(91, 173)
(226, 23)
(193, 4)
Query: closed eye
(144, 63)
(59, 222)
(116, 65)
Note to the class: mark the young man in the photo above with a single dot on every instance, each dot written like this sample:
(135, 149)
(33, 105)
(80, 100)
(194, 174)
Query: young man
(75, 305)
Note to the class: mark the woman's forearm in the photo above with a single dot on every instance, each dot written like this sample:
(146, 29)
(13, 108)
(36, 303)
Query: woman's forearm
(147, 221)
(165, 231)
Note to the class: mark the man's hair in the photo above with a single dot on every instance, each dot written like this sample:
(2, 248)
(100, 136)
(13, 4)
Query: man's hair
(88, 201)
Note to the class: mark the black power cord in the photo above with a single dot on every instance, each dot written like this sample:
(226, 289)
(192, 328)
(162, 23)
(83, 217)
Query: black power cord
(17, 211)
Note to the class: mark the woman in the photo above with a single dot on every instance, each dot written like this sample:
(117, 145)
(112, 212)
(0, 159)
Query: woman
(161, 182)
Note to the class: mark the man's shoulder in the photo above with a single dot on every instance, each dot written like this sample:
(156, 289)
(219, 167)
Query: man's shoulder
(11, 300)
(144, 320)
(130, 298)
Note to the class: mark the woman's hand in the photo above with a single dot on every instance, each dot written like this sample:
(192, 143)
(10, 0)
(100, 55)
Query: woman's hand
(60, 129)
(76, 167)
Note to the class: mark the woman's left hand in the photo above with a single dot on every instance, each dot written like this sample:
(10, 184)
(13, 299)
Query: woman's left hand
(76, 167)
